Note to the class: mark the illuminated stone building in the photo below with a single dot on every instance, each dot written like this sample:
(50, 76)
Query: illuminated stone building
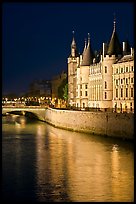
(123, 83)
(92, 76)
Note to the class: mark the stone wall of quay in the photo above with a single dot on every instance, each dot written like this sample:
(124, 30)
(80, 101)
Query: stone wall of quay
(102, 123)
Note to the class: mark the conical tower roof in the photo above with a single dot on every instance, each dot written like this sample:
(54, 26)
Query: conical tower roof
(84, 48)
(114, 47)
(73, 46)
(88, 54)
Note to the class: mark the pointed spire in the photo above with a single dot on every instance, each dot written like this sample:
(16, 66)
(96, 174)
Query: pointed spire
(74, 52)
(85, 42)
(73, 44)
(88, 39)
(84, 47)
(87, 54)
(114, 23)
(114, 47)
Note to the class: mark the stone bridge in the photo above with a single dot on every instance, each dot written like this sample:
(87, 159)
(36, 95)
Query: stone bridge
(37, 112)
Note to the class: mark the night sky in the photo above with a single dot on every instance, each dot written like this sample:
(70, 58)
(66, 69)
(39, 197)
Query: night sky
(36, 37)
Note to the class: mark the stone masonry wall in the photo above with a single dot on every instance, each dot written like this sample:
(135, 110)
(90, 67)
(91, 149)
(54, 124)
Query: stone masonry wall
(103, 123)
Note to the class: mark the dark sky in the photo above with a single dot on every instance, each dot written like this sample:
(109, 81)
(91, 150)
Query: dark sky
(36, 37)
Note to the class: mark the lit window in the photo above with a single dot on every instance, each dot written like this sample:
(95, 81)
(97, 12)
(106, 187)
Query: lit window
(121, 93)
(132, 92)
(80, 93)
(132, 80)
(105, 69)
(105, 95)
(126, 92)
(105, 85)
(116, 92)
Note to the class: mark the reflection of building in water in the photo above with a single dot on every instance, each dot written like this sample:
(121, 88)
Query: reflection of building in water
(42, 159)
(119, 170)
(78, 167)
(52, 166)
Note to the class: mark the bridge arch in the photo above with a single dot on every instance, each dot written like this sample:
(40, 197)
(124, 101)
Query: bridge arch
(35, 113)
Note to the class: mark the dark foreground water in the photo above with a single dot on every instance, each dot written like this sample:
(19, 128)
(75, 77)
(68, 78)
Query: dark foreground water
(43, 163)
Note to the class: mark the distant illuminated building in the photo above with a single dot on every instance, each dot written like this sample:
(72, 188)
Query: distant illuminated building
(56, 82)
(40, 88)
(93, 79)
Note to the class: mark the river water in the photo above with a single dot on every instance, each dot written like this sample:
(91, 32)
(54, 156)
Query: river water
(43, 163)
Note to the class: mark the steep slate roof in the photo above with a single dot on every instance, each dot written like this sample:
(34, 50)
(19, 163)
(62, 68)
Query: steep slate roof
(73, 45)
(84, 48)
(114, 47)
(88, 55)
(126, 58)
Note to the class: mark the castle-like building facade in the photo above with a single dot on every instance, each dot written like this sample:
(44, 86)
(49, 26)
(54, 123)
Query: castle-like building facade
(102, 79)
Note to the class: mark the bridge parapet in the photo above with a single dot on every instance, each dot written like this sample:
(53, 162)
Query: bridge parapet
(38, 111)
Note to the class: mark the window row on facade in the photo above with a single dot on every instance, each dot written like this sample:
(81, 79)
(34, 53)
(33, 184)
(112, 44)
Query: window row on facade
(124, 69)
(124, 81)
(124, 93)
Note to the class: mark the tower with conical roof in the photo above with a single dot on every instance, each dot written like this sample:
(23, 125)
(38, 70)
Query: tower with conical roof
(113, 52)
(91, 78)
(84, 73)
(73, 63)
(114, 47)
(87, 54)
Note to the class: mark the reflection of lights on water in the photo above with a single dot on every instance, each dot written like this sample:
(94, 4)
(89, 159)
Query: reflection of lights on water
(115, 148)
(39, 131)
(14, 116)
(115, 163)
(21, 123)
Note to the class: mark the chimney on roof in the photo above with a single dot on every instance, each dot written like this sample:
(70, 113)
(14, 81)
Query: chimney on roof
(124, 48)
(104, 49)
(132, 51)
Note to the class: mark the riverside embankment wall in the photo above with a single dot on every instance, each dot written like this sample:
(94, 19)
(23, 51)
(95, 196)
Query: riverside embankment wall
(103, 123)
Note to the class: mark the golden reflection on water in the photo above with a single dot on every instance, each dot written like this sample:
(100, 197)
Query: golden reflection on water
(122, 187)
(73, 166)
(76, 167)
